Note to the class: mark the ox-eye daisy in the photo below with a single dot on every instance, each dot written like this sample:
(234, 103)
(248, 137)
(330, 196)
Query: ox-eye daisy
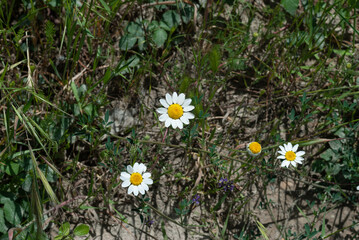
(254, 148)
(176, 111)
(137, 178)
(290, 155)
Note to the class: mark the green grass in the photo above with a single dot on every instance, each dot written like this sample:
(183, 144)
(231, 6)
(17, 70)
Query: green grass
(267, 72)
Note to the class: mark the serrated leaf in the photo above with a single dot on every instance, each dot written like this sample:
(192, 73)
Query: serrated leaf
(159, 36)
(214, 59)
(290, 6)
(82, 230)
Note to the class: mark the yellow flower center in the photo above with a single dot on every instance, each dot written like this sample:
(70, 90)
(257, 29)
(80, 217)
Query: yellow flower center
(136, 178)
(175, 111)
(255, 147)
(290, 155)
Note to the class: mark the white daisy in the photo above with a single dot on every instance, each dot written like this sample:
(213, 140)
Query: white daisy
(358, 188)
(136, 179)
(290, 155)
(176, 111)
(254, 148)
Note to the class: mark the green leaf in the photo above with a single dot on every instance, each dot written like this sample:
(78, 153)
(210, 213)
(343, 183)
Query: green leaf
(82, 230)
(3, 227)
(327, 155)
(171, 18)
(12, 212)
(89, 110)
(127, 42)
(12, 169)
(164, 26)
(49, 173)
(153, 26)
(74, 90)
(135, 29)
(335, 145)
(214, 59)
(159, 36)
(26, 185)
(64, 229)
(290, 6)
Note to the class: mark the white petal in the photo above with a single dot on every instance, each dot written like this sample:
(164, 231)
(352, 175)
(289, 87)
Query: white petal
(180, 99)
(298, 161)
(294, 163)
(281, 157)
(282, 148)
(284, 164)
(145, 186)
(184, 120)
(141, 189)
(188, 115)
(130, 189)
(135, 190)
(281, 152)
(148, 181)
(125, 176)
(136, 167)
(143, 168)
(163, 117)
(169, 99)
(174, 97)
(186, 102)
(188, 108)
(290, 146)
(358, 188)
(179, 124)
(300, 153)
(168, 122)
(295, 148)
(126, 183)
(146, 175)
(299, 158)
(129, 169)
(174, 123)
(161, 110)
(164, 103)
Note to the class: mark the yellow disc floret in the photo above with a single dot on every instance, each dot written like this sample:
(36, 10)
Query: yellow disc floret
(136, 178)
(290, 156)
(175, 111)
(255, 147)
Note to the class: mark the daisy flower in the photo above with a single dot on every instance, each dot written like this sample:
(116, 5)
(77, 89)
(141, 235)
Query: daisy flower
(137, 178)
(290, 155)
(176, 111)
(358, 188)
(254, 148)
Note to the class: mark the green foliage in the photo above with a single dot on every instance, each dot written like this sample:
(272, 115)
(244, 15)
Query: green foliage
(290, 6)
(50, 34)
(65, 232)
(159, 30)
